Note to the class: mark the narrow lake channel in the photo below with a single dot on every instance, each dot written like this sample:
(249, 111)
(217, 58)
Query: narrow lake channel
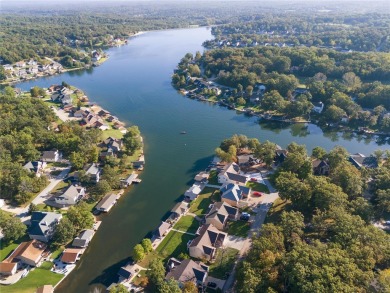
(134, 84)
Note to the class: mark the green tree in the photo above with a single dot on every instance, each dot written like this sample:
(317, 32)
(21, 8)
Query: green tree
(80, 216)
(147, 245)
(63, 233)
(333, 114)
(318, 152)
(348, 178)
(119, 288)
(241, 101)
(138, 253)
(131, 140)
(291, 188)
(12, 228)
(337, 156)
(292, 225)
(32, 208)
(2, 73)
(156, 272)
(190, 287)
(169, 286)
(102, 188)
(273, 101)
(383, 201)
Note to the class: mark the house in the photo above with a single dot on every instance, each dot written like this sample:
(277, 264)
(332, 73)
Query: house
(179, 209)
(79, 114)
(205, 245)
(51, 156)
(20, 64)
(345, 119)
(96, 56)
(140, 163)
(107, 202)
(193, 192)
(71, 196)
(129, 180)
(245, 161)
(320, 167)
(43, 225)
(84, 238)
(230, 174)
(125, 272)
(187, 271)
(45, 289)
(29, 253)
(318, 107)
(36, 166)
(71, 255)
(360, 160)
(162, 229)
(202, 177)
(113, 144)
(233, 194)
(220, 213)
(93, 171)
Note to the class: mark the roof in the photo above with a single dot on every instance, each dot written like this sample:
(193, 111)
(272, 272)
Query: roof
(234, 192)
(131, 178)
(42, 222)
(83, 238)
(360, 160)
(231, 168)
(188, 270)
(319, 163)
(221, 211)
(202, 175)
(194, 189)
(49, 154)
(125, 272)
(31, 250)
(180, 207)
(164, 226)
(107, 202)
(45, 289)
(72, 192)
(7, 267)
(93, 169)
(237, 177)
(208, 239)
(70, 255)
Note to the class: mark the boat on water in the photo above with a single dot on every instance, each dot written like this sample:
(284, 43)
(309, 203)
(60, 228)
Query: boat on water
(183, 132)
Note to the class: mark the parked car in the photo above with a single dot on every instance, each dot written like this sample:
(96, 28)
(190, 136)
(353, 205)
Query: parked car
(211, 285)
(245, 216)
(254, 179)
(257, 194)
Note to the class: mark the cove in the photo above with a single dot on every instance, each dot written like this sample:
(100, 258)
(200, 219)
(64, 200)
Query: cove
(134, 84)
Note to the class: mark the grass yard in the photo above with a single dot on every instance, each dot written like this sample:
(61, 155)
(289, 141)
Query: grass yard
(223, 263)
(279, 205)
(213, 178)
(255, 186)
(56, 253)
(187, 224)
(173, 244)
(205, 198)
(115, 133)
(36, 278)
(238, 228)
(6, 249)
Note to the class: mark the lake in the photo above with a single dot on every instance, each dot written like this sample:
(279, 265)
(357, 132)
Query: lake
(134, 84)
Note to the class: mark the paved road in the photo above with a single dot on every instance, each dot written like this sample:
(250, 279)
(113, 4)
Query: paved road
(40, 198)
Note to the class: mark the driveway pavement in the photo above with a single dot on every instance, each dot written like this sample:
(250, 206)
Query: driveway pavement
(234, 242)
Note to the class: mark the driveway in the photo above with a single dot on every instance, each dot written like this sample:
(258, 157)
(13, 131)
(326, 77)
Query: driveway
(234, 242)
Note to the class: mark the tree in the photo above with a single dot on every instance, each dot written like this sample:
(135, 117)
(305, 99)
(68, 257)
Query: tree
(337, 156)
(119, 288)
(291, 188)
(147, 245)
(384, 281)
(2, 73)
(80, 216)
(266, 152)
(241, 101)
(333, 114)
(63, 233)
(78, 160)
(37, 92)
(318, 152)
(352, 81)
(169, 286)
(138, 252)
(194, 70)
(32, 208)
(156, 272)
(383, 200)
(190, 287)
(131, 140)
(12, 228)
(348, 178)
(292, 225)
(273, 101)
(102, 188)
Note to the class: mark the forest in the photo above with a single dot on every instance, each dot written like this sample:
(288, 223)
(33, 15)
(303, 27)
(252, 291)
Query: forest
(319, 235)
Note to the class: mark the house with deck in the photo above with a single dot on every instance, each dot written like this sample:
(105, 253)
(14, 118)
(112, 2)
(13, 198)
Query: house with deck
(187, 271)
(43, 225)
(205, 245)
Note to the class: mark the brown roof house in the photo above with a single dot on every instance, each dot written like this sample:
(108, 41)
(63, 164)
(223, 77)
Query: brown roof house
(187, 271)
(71, 255)
(320, 167)
(231, 174)
(205, 245)
(220, 213)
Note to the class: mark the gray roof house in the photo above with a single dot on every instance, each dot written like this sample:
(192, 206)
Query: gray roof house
(220, 213)
(205, 245)
(50, 156)
(71, 196)
(360, 160)
(231, 174)
(233, 194)
(107, 202)
(84, 238)
(93, 171)
(42, 225)
(162, 229)
(180, 208)
(193, 192)
(35, 166)
(187, 271)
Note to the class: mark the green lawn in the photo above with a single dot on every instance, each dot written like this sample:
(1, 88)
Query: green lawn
(205, 198)
(279, 205)
(213, 178)
(56, 253)
(187, 224)
(238, 228)
(115, 133)
(36, 278)
(173, 244)
(7, 248)
(257, 186)
(223, 263)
